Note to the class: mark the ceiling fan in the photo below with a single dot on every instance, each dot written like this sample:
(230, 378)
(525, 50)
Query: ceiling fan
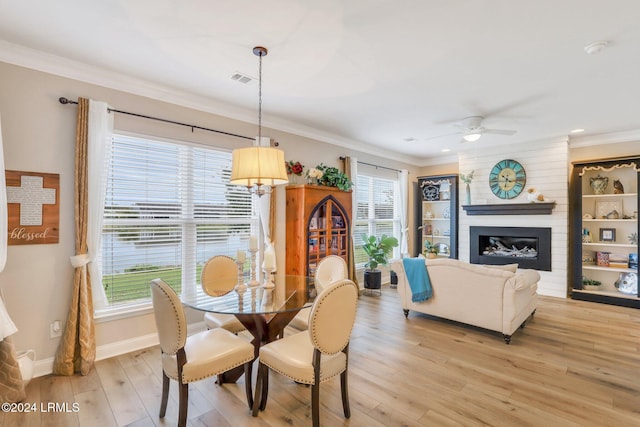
(471, 129)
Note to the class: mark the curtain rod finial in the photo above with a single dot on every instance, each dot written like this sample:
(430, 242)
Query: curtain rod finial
(63, 100)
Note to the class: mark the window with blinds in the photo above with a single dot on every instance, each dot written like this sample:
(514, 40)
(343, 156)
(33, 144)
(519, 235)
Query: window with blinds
(168, 208)
(376, 212)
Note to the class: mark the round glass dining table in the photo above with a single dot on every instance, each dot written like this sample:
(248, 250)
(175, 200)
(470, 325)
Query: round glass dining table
(263, 312)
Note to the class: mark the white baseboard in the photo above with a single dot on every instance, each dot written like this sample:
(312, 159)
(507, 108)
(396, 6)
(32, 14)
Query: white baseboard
(45, 366)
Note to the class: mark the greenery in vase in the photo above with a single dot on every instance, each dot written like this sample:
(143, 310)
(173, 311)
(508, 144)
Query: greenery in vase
(467, 178)
(430, 248)
(378, 249)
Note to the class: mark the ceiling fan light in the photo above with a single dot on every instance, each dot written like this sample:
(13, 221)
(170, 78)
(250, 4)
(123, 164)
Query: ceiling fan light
(472, 137)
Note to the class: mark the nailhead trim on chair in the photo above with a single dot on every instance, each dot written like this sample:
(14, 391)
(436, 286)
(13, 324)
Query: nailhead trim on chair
(175, 312)
(216, 373)
(300, 380)
(350, 283)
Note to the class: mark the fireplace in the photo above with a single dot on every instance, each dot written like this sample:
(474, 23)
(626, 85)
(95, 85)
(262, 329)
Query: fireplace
(530, 247)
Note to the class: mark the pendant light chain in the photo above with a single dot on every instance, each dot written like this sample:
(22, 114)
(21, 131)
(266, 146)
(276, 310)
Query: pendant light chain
(260, 101)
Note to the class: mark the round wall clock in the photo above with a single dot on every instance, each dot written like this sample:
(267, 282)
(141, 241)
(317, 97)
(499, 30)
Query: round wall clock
(507, 179)
(431, 192)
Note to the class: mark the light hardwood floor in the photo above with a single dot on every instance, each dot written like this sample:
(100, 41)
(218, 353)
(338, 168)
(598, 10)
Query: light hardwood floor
(574, 364)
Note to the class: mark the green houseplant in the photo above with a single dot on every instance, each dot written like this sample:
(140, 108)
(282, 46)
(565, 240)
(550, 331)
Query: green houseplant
(332, 177)
(378, 249)
(430, 249)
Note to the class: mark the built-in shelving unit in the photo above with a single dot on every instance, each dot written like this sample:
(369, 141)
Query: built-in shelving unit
(438, 214)
(604, 221)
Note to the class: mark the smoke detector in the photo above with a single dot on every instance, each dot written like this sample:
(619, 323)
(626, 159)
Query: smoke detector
(595, 47)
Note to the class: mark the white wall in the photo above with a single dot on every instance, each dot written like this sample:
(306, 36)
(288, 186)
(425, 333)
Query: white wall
(546, 164)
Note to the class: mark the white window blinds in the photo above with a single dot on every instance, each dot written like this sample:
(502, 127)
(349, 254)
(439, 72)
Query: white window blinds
(169, 207)
(376, 211)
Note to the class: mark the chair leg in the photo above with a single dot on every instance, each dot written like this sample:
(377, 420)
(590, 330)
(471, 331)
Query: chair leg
(247, 383)
(257, 402)
(315, 388)
(165, 395)
(265, 386)
(183, 404)
(344, 388)
(315, 404)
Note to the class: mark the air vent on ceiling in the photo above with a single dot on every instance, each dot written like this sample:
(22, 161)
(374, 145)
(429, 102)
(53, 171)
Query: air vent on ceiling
(242, 78)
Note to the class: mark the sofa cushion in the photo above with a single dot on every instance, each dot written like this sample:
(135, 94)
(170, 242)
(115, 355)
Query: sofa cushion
(508, 267)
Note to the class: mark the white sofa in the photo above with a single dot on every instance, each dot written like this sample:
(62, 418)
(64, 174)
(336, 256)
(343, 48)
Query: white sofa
(498, 298)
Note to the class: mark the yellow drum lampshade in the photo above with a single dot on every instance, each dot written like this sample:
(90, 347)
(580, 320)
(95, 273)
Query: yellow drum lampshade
(258, 166)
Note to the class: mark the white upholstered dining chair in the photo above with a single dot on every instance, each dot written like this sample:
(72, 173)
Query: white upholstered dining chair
(316, 355)
(219, 276)
(330, 269)
(189, 359)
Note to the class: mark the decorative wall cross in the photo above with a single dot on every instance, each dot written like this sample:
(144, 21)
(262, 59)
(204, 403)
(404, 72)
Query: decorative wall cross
(31, 195)
(33, 201)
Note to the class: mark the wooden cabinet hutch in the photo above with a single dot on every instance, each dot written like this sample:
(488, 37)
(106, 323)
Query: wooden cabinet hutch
(318, 225)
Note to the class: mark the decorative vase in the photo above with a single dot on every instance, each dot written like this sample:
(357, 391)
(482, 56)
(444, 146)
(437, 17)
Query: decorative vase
(431, 255)
(467, 195)
(599, 184)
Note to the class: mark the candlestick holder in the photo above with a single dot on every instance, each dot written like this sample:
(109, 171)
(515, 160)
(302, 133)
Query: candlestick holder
(240, 286)
(268, 286)
(253, 282)
(268, 280)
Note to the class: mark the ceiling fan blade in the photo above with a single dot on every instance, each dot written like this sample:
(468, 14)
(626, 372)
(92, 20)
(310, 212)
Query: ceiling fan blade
(441, 136)
(500, 131)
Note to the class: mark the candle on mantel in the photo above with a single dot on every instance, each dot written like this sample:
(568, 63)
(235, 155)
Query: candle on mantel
(253, 243)
(269, 260)
(241, 256)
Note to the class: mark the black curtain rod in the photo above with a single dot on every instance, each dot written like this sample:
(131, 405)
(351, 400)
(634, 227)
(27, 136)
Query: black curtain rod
(375, 166)
(64, 100)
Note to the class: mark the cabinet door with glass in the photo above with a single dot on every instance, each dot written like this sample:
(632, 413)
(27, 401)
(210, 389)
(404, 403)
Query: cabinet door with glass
(318, 225)
(604, 233)
(437, 216)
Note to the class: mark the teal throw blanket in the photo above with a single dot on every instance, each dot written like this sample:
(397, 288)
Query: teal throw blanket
(418, 277)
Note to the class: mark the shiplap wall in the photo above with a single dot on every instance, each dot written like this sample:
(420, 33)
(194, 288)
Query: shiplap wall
(547, 165)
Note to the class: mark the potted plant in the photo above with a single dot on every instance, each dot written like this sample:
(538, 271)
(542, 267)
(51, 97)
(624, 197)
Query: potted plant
(430, 250)
(378, 250)
(590, 284)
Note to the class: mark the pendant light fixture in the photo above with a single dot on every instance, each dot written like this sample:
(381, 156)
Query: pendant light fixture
(258, 168)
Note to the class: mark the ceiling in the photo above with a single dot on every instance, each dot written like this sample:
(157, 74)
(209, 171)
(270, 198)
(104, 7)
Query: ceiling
(391, 76)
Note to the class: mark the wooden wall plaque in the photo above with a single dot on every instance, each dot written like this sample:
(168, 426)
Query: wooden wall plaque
(33, 207)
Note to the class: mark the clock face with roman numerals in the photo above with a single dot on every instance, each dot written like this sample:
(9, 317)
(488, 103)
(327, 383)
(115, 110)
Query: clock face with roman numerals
(507, 179)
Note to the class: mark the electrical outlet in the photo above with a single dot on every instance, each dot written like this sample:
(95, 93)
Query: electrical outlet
(55, 330)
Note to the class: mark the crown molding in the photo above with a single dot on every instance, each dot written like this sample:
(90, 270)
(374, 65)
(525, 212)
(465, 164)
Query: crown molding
(604, 138)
